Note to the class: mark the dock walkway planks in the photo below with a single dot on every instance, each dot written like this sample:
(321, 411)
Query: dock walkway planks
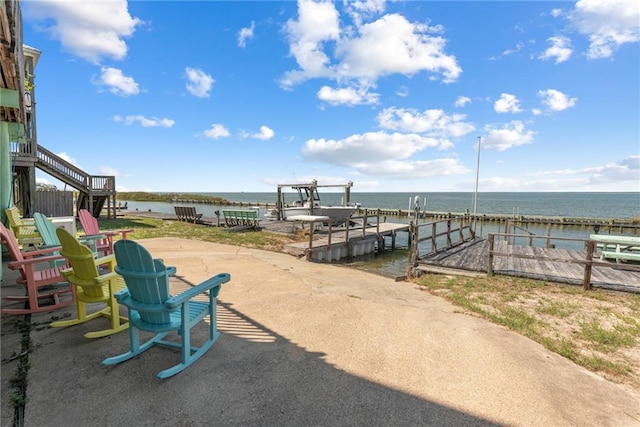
(473, 256)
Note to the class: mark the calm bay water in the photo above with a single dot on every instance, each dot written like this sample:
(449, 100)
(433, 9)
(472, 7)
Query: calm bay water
(574, 205)
(587, 205)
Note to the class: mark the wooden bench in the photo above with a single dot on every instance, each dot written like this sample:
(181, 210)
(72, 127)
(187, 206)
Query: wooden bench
(618, 256)
(619, 248)
(235, 218)
(188, 214)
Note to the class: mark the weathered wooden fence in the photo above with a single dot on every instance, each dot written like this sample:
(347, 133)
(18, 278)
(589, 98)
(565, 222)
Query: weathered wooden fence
(54, 203)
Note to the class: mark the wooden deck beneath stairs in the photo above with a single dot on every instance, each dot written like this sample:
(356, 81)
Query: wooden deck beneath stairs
(473, 256)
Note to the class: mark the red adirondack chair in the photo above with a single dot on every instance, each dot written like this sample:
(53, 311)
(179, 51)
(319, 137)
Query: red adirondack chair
(91, 228)
(47, 289)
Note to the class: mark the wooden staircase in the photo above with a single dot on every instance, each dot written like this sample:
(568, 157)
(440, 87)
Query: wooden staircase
(96, 191)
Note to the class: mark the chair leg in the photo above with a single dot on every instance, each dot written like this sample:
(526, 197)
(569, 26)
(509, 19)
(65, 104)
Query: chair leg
(136, 348)
(82, 316)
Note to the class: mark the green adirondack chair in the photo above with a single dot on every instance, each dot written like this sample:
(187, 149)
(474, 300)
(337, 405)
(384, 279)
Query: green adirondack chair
(95, 281)
(152, 308)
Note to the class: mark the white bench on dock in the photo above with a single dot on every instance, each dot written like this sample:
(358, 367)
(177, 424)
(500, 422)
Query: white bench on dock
(618, 247)
(312, 220)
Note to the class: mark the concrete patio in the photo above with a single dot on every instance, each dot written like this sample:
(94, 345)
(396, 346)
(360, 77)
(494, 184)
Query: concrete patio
(307, 344)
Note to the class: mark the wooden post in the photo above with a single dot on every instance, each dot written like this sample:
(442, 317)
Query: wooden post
(586, 283)
(449, 233)
(548, 236)
(364, 224)
(490, 258)
(434, 246)
(346, 232)
(329, 239)
(413, 261)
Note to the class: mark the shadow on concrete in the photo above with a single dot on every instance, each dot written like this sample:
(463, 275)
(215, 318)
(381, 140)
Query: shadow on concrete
(251, 376)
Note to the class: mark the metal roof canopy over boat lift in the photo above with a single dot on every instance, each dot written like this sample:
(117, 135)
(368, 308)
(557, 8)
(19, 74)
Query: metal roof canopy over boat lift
(310, 194)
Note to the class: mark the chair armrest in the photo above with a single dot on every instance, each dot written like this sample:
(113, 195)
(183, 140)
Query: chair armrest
(123, 297)
(123, 232)
(40, 252)
(14, 265)
(91, 237)
(103, 278)
(214, 281)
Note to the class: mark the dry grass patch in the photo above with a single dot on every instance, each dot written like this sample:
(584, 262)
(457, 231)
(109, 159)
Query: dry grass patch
(597, 329)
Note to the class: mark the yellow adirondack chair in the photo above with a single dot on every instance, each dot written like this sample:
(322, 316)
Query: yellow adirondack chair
(23, 228)
(95, 281)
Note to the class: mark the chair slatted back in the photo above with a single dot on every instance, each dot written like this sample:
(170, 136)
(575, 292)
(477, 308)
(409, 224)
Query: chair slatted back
(82, 261)
(46, 229)
(89, 222)
(21, 230)
(147, 279)
(9, 240)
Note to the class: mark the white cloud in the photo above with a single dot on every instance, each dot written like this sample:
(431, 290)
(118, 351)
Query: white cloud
(365, 148)
(507, 104)
(556, 100)
(245, 34)
(517, 48)
(317, 23)
(88, 29)
(510, 135)
(144, 121)
(434, 123)
(216, 131)
(393, 45)
(65, 156)
(403, 91)
(560, 49)
(556, 13)
(360, 10)
(627, 169)
(462, 101)
(415, 169)
(624, 173)
(109, 171)
(117, 82)
(362, 53)
(382, 154)
(265, 133)
(347, 96)
(607, 23)
(199, 83)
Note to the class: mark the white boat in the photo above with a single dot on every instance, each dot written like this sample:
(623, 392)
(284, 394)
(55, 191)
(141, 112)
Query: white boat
(308, 203)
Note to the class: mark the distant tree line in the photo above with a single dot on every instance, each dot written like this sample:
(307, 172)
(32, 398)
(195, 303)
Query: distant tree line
(139, 196)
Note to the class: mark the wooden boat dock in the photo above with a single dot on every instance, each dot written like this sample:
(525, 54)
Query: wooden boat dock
(551, 264)
(347, 243)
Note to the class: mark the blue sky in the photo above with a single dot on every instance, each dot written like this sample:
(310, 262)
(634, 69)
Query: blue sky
(227, 96)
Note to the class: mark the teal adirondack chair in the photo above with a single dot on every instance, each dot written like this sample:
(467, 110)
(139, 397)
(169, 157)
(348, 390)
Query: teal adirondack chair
(152, 308)
(48, 234)
(47, 231)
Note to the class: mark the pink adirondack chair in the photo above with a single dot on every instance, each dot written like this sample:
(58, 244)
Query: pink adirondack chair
(36, 273)
(91, 228)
